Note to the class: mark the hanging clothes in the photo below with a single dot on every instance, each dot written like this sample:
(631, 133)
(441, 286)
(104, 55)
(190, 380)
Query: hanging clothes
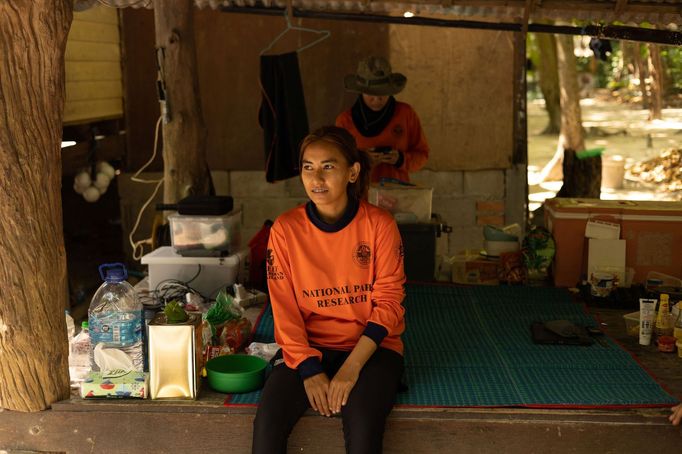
(282, 114)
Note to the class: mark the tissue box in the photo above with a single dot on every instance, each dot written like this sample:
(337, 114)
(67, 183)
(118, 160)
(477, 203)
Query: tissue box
(115, 384)
(408, 204)
(175, 357)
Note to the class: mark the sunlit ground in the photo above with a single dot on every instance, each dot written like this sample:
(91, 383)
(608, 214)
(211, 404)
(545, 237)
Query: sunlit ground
(621, 129)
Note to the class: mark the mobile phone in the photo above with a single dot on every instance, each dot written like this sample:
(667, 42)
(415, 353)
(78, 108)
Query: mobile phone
(385, 149)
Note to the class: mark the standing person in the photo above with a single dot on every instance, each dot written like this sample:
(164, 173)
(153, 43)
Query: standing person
(387, 129)
(335, 277)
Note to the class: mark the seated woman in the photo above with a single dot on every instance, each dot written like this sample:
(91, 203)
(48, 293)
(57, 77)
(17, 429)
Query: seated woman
(335, 277)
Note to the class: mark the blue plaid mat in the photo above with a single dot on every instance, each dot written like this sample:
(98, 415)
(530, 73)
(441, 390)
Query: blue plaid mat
(471, 347)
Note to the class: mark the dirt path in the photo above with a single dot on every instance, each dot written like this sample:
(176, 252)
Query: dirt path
(621, 129)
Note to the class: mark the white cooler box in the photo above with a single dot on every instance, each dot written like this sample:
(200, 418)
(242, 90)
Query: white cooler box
(212, 273)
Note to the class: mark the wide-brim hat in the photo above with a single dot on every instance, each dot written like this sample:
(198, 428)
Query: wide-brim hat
(375, 77)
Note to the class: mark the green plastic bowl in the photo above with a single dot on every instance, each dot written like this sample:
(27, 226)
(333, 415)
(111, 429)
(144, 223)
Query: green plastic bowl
(236, 373)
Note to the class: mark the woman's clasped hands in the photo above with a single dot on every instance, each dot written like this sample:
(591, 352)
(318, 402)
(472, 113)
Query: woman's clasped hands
(327, 397)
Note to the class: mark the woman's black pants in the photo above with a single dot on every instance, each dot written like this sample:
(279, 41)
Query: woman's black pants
(284, 400)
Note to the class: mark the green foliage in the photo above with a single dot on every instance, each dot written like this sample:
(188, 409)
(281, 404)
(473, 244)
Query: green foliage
(672, 60)
(175, 313)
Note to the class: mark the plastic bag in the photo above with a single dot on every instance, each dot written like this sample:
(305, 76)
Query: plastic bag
(265, 351)
(223, 310)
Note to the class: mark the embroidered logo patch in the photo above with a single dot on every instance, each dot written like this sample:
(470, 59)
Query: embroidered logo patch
(398, 130)
(273, 273)
(362, 254)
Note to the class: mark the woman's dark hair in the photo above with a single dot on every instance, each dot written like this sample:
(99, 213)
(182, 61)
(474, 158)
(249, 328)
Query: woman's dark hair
(345, 143)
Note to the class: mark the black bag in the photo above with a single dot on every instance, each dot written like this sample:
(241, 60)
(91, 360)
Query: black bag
(560, 332)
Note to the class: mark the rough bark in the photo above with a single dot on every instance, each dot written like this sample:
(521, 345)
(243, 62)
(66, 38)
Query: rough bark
(571, 135)
(549, 81)
(642, 75)
(184, 131)
(582, 177)
(655, 65)
(33, 345)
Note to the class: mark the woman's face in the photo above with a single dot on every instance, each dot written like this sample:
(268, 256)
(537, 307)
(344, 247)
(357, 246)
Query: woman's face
(376, 103)
(325, 173)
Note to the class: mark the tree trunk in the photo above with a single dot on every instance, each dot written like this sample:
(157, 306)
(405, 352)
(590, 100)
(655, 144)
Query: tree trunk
(656, 70)
(184, 133)
(33, 296)
(642, 75)
(549, 81)
(582, 177)
(571, 136)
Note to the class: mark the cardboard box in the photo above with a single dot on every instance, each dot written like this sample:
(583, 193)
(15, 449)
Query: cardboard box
(652, 231)
(117, 384)
(468, 267)
(175, 357)
(607, 256)
(408, 204)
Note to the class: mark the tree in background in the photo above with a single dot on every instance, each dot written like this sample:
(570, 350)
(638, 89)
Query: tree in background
(548, 78)
(657, 72)
(582, 177)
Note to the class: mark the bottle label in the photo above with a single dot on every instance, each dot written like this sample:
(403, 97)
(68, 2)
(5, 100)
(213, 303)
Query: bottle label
(116, 328)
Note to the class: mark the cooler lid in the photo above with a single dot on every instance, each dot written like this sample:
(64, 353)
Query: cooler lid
(640, 209)
(166, 255)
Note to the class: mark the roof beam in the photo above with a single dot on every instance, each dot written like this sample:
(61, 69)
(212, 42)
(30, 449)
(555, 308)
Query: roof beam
(647, 35)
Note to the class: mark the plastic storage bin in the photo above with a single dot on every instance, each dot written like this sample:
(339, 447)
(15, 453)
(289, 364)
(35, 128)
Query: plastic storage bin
(652, 231)
(408, 204)
(207, 275)
(205, 233)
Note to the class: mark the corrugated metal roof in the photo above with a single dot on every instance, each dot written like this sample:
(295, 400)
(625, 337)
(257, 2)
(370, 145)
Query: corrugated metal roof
(660, 12)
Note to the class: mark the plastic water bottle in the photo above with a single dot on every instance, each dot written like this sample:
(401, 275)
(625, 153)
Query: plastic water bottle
(70, 326)
(115, 321)
(79, 356)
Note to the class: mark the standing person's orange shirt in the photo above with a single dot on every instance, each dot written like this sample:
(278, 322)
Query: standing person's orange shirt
(403, 133)
(328, 288)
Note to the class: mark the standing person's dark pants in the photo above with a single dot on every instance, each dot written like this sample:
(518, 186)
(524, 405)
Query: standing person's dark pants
(284, 400)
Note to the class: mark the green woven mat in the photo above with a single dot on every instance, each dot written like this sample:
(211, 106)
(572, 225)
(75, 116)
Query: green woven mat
(471, 346)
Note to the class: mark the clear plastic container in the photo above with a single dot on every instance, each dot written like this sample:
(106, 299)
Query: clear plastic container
(115, 321)
(212, 233)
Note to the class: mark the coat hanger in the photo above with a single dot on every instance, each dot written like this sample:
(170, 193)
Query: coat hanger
(324, 33)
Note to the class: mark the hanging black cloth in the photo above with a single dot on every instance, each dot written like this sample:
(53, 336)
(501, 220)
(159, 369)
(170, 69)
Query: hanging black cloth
(368, 122)
(282, 114)
(601, 48)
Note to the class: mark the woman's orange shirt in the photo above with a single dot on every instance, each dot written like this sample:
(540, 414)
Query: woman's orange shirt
(329, 288)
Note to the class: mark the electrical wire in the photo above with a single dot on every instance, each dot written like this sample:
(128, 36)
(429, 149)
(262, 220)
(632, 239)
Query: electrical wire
(138, 246)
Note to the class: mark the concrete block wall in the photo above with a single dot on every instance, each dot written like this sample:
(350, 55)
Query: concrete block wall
(464, 200)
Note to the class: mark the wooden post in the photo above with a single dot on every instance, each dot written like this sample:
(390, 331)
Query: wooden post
(184, 132)
(33, 290)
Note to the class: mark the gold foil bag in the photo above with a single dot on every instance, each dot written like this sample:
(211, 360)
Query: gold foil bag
(175, 357)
